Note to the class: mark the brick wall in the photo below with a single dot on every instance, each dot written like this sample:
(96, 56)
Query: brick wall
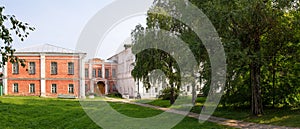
(62, 79)
(97, 64)
(23, 71)
(62, 87)
(24, 87)
(62, 70)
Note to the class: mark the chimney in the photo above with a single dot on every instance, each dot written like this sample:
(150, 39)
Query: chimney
(127, 46)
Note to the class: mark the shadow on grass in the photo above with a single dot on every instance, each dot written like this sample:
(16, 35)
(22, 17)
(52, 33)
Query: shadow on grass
(275, 116)
(35, 112)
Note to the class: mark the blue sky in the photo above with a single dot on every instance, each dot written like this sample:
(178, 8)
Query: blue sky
(60, 22)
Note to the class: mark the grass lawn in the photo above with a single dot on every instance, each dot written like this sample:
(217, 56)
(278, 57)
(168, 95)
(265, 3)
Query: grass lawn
(283, 117)
(35, 112)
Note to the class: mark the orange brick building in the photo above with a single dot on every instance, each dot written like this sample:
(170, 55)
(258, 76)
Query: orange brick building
(49, 71)
(100, 77)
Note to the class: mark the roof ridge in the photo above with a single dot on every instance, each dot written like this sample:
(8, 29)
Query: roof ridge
(47, 48)
(59, 47)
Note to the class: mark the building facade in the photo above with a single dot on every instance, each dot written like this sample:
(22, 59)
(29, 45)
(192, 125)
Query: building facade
(131, 88)
(126, 85)
(49, 71)
(100, 77)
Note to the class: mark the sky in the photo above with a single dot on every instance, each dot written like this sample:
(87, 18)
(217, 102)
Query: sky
(60, 23)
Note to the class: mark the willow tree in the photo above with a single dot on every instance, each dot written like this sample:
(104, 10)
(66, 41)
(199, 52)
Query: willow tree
(250, 32)
(153, 59)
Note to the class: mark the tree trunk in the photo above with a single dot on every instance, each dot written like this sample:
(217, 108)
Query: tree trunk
(256, 106)
(194, 97)
(172, 97)
(273, 79)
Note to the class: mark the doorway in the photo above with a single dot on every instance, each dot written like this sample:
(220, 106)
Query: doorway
(101, 87)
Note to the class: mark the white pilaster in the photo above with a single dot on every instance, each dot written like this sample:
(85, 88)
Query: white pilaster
(43, 74)
(103, 76)
(91, 80)
(106, 87)
(5, 87)
(82, 77)
(103, 70)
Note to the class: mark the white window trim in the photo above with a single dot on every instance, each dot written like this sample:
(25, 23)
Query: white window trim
(30, 88)
(32, 69)
(13, 64)
(13, 88)
(72, 68)
(56, 69)
(94, 73)
(72, 89)
(52, 88)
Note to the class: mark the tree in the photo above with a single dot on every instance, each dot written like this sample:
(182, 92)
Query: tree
(248, 28)
(152, 59)
(258, 36)
(159, 22)
(10, 26)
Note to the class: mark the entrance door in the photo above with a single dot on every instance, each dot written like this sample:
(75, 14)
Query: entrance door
(101, 87)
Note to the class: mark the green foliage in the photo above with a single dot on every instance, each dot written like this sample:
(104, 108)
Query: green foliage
(261, 40)
(274, 26)
(10, 26)
(166, 93)
(115, 95)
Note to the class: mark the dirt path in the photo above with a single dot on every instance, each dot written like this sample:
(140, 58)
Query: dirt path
(221, 121)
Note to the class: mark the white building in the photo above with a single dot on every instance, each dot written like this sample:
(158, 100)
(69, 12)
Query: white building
(126, 84)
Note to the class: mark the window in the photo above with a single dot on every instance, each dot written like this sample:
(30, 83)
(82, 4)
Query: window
(53, 67)
(31, 68)
(188, 88)
(99, 73)
(86, 88)
(156, 90)
(86, 72)
(113, 73)
(106, 73)
(31, 88)
(71, 68)
(94, 72)
(15, 68)
(114, 87)
(16, 88)
(54, 89)
(71, 88)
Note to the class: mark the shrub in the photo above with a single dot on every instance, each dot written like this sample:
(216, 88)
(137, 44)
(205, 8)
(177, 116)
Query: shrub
(115, 95)
(165, 94)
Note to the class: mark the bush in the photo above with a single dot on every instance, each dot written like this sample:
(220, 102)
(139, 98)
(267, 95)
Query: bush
(165, 95)
(115, 95)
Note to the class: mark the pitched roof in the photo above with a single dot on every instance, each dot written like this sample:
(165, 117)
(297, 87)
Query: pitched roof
(46, 48)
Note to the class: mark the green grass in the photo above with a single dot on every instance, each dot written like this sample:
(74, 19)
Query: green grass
(33, 112)
(46, 113)
(279, 116)
(156, 102)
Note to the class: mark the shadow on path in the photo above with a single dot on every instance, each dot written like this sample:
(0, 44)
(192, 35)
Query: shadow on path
(218, 120)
